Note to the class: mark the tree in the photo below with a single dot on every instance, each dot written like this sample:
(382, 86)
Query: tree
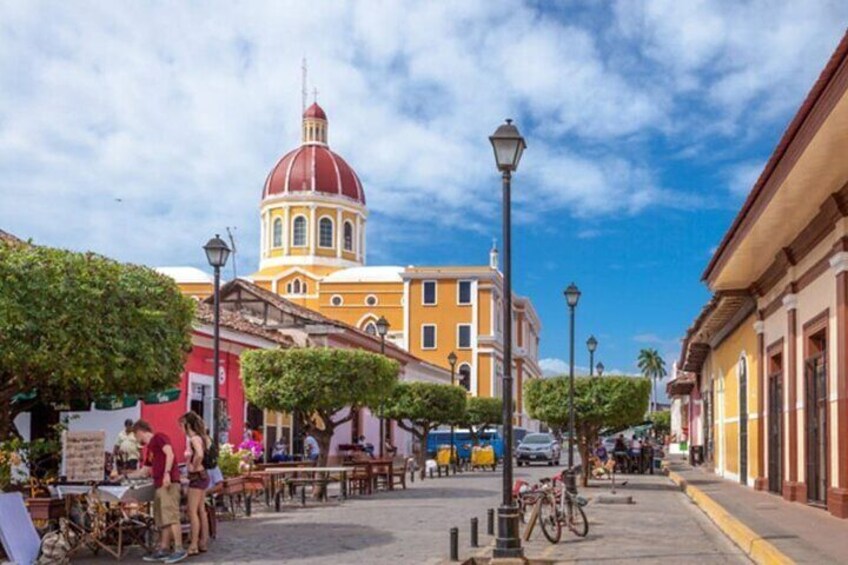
(662, 422)
(652, 366)
(613, 401)
(481, 413)
(74, 326)
(419, 408)
(322, 386)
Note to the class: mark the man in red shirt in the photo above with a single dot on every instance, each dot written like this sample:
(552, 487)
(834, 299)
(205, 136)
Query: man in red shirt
(160, 463)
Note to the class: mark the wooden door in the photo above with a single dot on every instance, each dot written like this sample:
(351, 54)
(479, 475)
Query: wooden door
(775, 433)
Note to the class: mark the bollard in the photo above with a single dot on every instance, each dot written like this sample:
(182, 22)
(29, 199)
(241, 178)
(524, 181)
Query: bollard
(277, 500)
(248, 504)
(454, 544)
(303, 496)
(490, 521)
(474, 541)
(431, 472)
(412, 476)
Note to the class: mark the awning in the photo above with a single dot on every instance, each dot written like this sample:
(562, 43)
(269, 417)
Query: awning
(119, 402)
(682, 385)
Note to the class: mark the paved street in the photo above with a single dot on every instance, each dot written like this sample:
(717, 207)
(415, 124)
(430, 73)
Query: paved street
(412, 527)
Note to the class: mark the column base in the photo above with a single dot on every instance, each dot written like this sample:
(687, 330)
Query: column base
(794, 491)
(508, 548)
(761, 483)
(837, 502)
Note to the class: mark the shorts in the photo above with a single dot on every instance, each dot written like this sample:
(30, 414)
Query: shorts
(166, 506)
(198, 480)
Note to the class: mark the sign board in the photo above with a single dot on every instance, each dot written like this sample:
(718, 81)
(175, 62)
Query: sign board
(84, 456)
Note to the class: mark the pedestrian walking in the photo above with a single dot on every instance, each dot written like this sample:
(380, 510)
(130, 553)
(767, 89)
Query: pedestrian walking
(197, 450)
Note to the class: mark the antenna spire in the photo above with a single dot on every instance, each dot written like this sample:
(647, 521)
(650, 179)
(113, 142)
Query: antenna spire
(303, 92)
(314, 94)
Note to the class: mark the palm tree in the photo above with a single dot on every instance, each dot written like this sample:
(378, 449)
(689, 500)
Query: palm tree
(652, 366)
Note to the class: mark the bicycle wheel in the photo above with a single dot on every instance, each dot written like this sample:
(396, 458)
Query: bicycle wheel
(549, 520)
(575, 519)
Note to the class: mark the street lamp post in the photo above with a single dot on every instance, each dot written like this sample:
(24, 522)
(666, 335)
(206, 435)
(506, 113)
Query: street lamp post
(572, 297)
(591, 345)
(600, 368)
(452, 362)
(382, 329)
(508, 146)
(217, 254)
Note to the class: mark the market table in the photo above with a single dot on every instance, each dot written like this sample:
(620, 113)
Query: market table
(109, 517)
(320, 476)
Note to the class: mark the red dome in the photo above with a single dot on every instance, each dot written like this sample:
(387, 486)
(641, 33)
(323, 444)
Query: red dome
(315, 111)
(313, 168)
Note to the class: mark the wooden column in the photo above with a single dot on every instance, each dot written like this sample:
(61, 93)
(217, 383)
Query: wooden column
(792, 488)
(837, 496)
(761, 482)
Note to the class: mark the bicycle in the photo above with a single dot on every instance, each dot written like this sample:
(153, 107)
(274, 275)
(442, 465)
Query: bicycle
(540, 501)
(569, 510)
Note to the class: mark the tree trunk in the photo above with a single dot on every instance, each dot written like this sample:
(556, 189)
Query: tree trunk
(324, 438)
(422, 453)
(6, 421)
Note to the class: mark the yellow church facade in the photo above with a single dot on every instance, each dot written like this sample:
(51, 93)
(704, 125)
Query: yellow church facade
(313, 247)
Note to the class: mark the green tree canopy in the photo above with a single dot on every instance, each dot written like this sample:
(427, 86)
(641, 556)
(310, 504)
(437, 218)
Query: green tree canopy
(74, 326)
(661, 421)
(482, 413)
(421, 407)
(599, 402)
(322, 386)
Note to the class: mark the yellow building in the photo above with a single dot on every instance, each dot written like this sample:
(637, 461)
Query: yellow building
(313, 219)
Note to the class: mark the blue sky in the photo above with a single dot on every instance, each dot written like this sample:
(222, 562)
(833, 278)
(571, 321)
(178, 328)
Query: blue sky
(138, 130)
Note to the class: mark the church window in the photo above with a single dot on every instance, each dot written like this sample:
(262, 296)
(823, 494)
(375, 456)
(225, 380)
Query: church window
(371, 328)
(465, 376)
(337, 300)
(371, 300)
(299, 232)
(428, 336)
(278, 233)
(348, 236)
(464, 292)
(429, 293)
(325, 232)
(296, 286)
(463, 337)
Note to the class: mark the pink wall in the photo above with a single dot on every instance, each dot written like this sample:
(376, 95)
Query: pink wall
(163, 417)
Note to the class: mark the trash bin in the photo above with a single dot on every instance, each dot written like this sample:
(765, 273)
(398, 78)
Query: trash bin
(696, 455)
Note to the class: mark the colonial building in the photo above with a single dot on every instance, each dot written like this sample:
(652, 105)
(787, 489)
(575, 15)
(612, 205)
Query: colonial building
(766, 362)
(313, 242)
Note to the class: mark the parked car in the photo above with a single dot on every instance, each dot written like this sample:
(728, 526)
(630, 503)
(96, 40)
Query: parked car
(538, 448)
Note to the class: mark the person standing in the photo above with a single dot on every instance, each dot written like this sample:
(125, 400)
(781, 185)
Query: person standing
(313, 450)
(160, 464)
(126, 448)
(198, 480)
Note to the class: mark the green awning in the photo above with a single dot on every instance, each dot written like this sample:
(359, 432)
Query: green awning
(163, 397)
(24, 396)
(116, 402)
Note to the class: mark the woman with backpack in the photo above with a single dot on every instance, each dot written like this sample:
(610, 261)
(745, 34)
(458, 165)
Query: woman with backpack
(199, 454)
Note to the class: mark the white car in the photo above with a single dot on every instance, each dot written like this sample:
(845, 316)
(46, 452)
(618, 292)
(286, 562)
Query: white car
(542, 448)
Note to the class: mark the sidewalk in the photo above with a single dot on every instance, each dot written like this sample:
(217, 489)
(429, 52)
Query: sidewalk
(802, 533)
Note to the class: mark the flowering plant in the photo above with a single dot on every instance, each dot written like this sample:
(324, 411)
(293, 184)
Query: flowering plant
(10, 459)
(254, 447)
(232, 461)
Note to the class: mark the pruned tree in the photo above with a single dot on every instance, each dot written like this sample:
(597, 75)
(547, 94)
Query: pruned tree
(323, 386)
(419, 408)
(613, 401)
(481, 413)
(75, 326)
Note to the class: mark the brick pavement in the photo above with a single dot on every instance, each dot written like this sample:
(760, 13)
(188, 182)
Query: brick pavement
(803, 533)
(412, 527)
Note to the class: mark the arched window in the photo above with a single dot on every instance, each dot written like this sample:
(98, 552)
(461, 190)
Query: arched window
(296, 286)
(348, 236)
(278, 233)
(465, 376)
(299, 232)
(325, 232)
(371, 328)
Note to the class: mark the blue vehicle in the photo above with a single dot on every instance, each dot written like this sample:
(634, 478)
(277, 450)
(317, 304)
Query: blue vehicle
(463, 443)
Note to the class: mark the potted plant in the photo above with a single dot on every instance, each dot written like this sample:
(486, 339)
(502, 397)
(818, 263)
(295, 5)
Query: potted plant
(31, 467)
(230, 461)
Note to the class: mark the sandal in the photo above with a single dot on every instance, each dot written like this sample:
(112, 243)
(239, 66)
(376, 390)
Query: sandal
(193, 551)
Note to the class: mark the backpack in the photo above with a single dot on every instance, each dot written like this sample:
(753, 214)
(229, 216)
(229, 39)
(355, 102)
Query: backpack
(210, 456)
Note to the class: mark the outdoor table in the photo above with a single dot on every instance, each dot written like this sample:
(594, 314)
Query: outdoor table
(374, 469)
(323, 478)
(109, 521)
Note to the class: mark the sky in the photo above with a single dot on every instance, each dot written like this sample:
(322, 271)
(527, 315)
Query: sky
(140, 129)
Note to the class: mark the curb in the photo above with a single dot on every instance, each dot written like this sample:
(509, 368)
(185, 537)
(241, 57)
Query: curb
(754, 546)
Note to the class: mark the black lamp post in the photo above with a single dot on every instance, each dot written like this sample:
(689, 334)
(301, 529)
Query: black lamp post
(508, 146)
(382, 329)
(591, 345)
(452, 362)
(217, 254)
(572, 297)
(600, 369)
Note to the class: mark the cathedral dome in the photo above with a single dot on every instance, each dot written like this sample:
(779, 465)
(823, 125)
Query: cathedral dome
(313, 167)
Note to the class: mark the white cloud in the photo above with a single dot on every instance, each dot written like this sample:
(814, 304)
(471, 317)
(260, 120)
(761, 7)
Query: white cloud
(741, 177)
(179, 110)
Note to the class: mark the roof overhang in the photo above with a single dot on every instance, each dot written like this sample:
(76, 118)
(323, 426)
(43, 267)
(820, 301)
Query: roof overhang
(721, 315)
(682, 385)
(806, 167)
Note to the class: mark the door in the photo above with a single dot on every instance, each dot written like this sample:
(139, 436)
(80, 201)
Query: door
(816, 416)
(743, 421)
(775, 433)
